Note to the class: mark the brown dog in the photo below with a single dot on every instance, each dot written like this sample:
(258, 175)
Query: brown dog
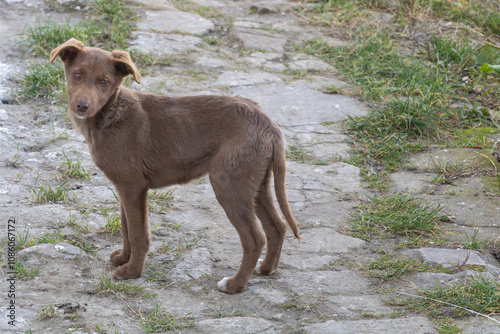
(142, 141)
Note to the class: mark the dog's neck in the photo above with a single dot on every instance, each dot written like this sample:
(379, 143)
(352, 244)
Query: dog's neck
(111, 112)
(108, 106)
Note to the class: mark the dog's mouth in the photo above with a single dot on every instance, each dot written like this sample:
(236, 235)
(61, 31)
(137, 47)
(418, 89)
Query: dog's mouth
(80, 116)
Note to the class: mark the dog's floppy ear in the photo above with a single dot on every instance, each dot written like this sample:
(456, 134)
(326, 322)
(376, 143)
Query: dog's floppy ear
(67, 51)
(125, 66)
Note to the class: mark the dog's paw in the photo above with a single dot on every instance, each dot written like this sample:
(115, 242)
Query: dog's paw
(222, 285)
(261, 271)
(258, 269)
(229, 285)
(127, 272)
(118, 257)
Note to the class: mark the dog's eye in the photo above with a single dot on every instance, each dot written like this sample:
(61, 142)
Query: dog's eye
(104, 82)
(78, 75)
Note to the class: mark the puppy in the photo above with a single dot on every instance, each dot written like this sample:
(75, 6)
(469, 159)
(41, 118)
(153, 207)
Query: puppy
(143, 141)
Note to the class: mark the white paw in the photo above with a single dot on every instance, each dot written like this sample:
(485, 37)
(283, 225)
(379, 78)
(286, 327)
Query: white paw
(222, 285)
(257, 267)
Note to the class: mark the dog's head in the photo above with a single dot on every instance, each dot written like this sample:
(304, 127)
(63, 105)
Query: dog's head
(92, 75)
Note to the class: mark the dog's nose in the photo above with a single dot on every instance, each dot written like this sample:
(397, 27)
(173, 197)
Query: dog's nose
(82, 106)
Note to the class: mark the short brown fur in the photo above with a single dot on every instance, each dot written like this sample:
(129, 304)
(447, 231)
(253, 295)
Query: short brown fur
(142, 141)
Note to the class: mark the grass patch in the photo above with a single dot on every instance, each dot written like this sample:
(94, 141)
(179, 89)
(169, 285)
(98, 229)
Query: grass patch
(160, 321)
(24, 273)
(159, 201)
(43, 80)
(108, 285)
(24, 240)
(41, 39)
(51, 238)
(74, 168)
(45, 193)
(48, 311)
(294, 153)
(412, 86)
(113, 223)
(386, 215)
(476, 294)
(389, 267)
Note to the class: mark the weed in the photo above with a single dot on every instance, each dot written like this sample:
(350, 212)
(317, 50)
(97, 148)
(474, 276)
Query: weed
(85, 245)
(116, 21)
(160, 321)
(476, 294)
(74, 168)
(43, 80)
(107, 286)
(48, 311)
(401, 214)
(450, 171)
(113, 223)
(148, 59)
(24, 273)
(51, 238)
(157, 273)
(74, 225)
(388, 267)
(45, 193)
(222, 314)
(472, 242)
(159, 201)
(294, 153)
(16, 155)
(24, 239)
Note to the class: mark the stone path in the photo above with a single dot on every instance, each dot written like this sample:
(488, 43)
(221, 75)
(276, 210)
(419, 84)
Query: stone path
(314, 290)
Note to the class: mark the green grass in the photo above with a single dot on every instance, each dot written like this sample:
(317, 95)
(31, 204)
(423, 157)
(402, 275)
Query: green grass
(386, 215)
(24, 273)
(388, 267)
(51, 238)
(108, 285)
(24, 240)
(475, 14)
(160, 321)
(41, 39)
(113, 223)
(74, 168)
(48, 311)
(43, 80)
(410, 86)
(45, 193)
(159, 201)
(472, 242)
(477, 294)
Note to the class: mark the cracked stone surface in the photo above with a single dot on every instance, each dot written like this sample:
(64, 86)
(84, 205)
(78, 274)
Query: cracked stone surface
(319, 287)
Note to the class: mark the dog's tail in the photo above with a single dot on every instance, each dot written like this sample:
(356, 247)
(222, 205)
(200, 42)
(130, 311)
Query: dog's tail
(279, 171)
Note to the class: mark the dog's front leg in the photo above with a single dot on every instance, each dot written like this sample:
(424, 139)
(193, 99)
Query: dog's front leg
(121, 256)
(135, 209)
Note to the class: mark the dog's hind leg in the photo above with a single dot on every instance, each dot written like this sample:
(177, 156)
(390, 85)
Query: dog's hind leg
(134, 202)
(237, 196)
(273, 225)
(121, 256)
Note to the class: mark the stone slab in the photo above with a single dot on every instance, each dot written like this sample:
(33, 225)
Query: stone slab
(166, 21)
(164, 44)
(415, 325)
(194, 265)
(258, 39)
(297, 105)
(238, 79)
(234, 325)
(61, 250)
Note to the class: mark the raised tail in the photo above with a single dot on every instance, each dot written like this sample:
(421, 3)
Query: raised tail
(279, 171)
